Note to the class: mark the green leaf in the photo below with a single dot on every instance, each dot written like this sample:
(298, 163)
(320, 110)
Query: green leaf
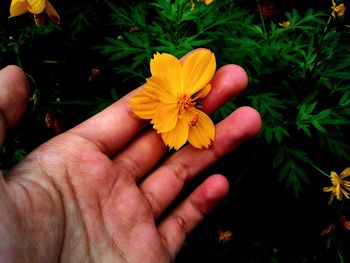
(336, 143)
(308, 115)
(345, 99)
(225, 110)
(267, 103)
(290, 161)
(276, 132)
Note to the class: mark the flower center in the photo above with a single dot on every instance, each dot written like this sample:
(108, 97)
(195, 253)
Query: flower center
(185, 102)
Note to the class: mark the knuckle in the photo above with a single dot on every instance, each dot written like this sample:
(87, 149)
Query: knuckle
(182, 224)
(181, 171)
(154, 203)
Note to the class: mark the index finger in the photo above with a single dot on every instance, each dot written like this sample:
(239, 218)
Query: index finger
(113, 127)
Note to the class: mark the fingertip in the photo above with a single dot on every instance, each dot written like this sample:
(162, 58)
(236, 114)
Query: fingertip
(234, 75)
(213, 190)
(216, 187)
(189, 213)
(14, 93)
(16, 70)
(241, 125)
(250, 123)
(229, 81)
(19, 78)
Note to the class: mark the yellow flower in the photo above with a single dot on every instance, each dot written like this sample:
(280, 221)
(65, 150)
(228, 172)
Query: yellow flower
(340, 187)
(36, 7)
(338, 10)
(170, 98)
(207, 2)
(224, 236)
(284, 24)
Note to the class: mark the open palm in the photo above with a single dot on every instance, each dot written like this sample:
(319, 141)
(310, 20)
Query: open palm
(96, 192)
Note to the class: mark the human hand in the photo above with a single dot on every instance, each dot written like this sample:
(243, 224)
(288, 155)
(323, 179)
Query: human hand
(96, 192)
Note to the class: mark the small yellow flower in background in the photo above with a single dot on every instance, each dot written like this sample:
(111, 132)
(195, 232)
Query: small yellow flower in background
(36, 7)
(207, 2)
(284, 24)
(338, 10)
(170, 98)
(340, 188)
(224, 236)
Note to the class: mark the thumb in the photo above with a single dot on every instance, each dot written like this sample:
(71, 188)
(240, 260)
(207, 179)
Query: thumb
(14, 94)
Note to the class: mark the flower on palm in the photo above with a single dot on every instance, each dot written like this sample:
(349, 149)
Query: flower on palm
(170, 99)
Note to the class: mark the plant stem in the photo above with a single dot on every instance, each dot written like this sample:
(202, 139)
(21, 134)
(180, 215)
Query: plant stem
(262, 18)
(19, 63)
(320, 43)
(318, 169)
(338, 252)
(327, 25)
(341, 207)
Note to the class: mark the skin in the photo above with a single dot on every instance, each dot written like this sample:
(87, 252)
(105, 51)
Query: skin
(96, 192)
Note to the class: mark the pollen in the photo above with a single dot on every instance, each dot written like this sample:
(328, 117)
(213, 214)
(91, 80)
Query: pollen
(194, 120)
(185, 102)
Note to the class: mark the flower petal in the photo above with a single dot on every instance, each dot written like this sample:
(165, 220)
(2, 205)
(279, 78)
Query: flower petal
(334, 178)
(203, 132)
(345, 193)
(177, 137)
(52, 13)
(202, 93)
(345, 173)
(197, 71)
(143, 106)
(167, 67)
(337, 192)
(327, 189)
(36, 6)
(208, 2)
(18, 7)
(346, 184)
(331, 199)
(156, 89)
(165, 118)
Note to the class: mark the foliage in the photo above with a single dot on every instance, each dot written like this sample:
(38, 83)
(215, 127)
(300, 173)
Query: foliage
(292, 69)
(299, 80)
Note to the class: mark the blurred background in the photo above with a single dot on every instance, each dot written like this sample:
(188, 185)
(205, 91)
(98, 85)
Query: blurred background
(296, 54)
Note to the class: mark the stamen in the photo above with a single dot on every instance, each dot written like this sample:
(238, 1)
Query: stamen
(185, 102)
(194, 120)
